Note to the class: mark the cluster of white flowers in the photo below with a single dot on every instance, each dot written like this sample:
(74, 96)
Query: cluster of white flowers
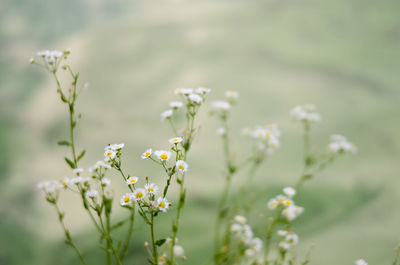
(285, 204)
(361, 262)
(242, 231)
(305, 113)
(289, 240)
(100, 165)
(145, 196)
(112, 151)
(191, 97)
(49, 188)
(50, 57)
(267, 137)
(339, 144)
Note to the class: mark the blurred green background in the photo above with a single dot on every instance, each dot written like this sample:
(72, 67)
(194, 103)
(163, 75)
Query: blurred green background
(342, 55)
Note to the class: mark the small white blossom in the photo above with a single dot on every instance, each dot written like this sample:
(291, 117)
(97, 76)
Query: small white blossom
(361, 262)
(77, 171)
(289, 191)
(176, 104)
(146, 154)
(220, 105)
(232, 95)
(182, 166)
(292, 239)
(139, 194)
(167, 114)
(203, 91)
(183, 91)
(162, 155)
(176, 140)
(194, 98)
(126, 199)
(221, 131)
(109, 155)
(106, 182)
(273, 203)
(151, 188)
(162, 204)
(98, 166)
(305, 113)
(91, 194)
(339, 144)
(178, 251)
(240, 219)
(282, 232)
(132, 180)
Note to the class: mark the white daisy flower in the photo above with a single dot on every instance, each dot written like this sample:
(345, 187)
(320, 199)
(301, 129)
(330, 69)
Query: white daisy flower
(291, 212)
(132, 180)
(221, 105)
(178, 251)
(146, 154)
(106, 182)
(236, 228)
(162, 204)
(139, 194)
(194, 98)
(162, 155)
(361, 262)
(282, 232)
(115, 147)
(339, 144)
(183, 91)
(289, 191)
(92, 194)
(232, 95)
(182, 166)
(151, 188)
(167, 114)
(109, 155)
(176, 140)
(221, 131)
(176, 105)
(77, 171)
(281, 199)
(292, 239)
(273, 203)
(203, 91)
(126, 199)
(284, 246)
(99, 165)
(305, 113)
(240, 219)
(65, 182)
(256, 244)
(288, 203)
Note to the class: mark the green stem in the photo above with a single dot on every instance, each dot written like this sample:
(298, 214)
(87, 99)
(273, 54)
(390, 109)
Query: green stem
(129, 234)
(68, 239)
(153, 242)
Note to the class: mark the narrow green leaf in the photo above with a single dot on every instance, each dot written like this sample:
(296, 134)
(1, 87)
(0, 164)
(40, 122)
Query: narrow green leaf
(160, 242)
(70, 163)
(65, 143)
(80, 156)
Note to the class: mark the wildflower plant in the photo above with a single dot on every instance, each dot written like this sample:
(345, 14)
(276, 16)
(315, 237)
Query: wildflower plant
(235, 241)
(94, 188)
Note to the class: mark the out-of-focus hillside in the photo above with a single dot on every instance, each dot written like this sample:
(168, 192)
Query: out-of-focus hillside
(340, 55)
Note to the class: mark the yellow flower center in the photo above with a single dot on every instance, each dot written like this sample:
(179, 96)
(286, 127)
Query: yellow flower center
(181, 167)
(150, 190)
(163, 156)
(147, 154)
(179, 91)
(288, 202)
(267, 134)
(64, 183)
(133, 180)
(126, 199)
(109, 154)
(161, 204)
(139, 195)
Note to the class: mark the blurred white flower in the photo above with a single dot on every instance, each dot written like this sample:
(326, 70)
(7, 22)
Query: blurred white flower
(361, 262)
(132, 180)
(176, 104)
(151, 188)
(289, 191)
(146, 154)
(167, 114)
(176, 140)
(182, 166)
(339, 144)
